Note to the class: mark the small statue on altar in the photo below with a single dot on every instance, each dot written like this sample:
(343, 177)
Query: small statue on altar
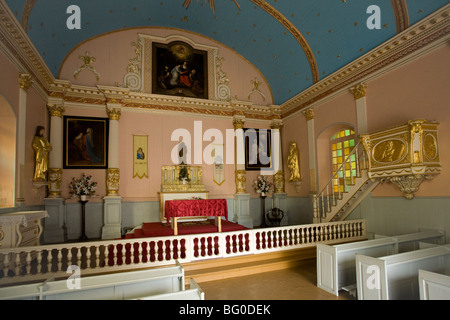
(293, 163)
(41, 148)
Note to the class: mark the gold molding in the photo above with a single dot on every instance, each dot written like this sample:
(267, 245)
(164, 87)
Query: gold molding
(400, 9)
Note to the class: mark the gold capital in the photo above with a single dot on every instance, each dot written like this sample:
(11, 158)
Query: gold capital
(25, 81)
(114, 113)
(238, 123)
(359, 91)
(309, 114)
(56, 111)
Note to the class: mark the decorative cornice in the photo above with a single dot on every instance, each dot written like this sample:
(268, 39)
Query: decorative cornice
(17, 46)
(416, 40)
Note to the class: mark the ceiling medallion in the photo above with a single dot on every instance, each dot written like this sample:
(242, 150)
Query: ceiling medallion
(211, 4)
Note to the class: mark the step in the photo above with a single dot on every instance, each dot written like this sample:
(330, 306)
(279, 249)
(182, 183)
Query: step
(219, 269)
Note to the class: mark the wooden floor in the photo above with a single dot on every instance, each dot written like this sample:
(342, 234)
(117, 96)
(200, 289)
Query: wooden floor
(297, 283)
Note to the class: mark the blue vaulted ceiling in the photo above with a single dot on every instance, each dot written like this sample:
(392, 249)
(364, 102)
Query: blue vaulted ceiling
(294, 43)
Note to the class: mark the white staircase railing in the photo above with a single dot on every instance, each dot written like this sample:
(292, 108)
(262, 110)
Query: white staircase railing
(26, 264)
(338, 192)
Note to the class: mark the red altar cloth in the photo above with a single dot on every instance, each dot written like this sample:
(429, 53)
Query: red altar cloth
(195, 208)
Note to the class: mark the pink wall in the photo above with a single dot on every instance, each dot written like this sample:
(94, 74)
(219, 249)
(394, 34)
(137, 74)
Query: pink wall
(418, 89)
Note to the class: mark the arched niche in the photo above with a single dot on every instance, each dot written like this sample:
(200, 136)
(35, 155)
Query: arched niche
(7, 153)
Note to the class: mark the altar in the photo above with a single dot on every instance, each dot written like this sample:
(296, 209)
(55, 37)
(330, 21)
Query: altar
(173, 188)
(175, 209)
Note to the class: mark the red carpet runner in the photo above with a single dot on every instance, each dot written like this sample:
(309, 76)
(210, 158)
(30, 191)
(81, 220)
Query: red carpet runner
(157, 229)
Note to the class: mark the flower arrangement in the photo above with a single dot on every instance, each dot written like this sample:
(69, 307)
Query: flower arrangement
(184, 175)
(262, 185)
(83, 186)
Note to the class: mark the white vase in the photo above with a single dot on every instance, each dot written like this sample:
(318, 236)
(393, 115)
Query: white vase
(83, 197)
(263, 194)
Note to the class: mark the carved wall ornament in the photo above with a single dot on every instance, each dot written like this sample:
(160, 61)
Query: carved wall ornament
(112, 181)
(223, 91)
(409, 184)
(211, 4)
(256, 84)
(87, 64)
(240, 181)
(133, 78)
(54, 182)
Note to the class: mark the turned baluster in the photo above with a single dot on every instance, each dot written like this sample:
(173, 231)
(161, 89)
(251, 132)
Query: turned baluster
(5, 264)
(28, 260)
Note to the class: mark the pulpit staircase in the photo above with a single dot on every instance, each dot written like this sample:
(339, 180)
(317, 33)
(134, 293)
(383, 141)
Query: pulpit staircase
(341, 196)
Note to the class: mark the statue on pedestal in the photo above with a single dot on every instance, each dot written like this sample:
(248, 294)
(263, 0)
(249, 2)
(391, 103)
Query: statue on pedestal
(42, 149)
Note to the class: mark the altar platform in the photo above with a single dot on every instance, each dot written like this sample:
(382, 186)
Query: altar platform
(158, 229)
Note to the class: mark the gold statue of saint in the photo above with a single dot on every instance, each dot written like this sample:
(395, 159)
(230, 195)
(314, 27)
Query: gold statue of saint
(41, 148)
(293, 163)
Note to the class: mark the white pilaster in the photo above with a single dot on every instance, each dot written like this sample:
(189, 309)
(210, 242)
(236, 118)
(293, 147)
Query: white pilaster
(241, 197)
(113, 201)
(359, 92)
(25, 83)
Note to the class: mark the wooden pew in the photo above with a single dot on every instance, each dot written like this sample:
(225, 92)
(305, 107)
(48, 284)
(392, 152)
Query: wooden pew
(193, 293)
(117, 286)
(336, 263)
(395, 277)
(434, 286)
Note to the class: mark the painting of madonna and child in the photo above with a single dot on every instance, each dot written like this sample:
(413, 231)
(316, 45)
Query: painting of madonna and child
(180, 70)
(85, 142)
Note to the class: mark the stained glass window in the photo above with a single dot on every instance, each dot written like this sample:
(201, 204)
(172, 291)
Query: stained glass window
(342, 144)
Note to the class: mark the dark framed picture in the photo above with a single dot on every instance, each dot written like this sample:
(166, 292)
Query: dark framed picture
(85, 143)
(257, 149)
(179, 70)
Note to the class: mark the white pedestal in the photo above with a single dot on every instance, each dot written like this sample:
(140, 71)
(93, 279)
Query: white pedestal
(242, 209)
(280, 202)
(53, 224)
(112, 217)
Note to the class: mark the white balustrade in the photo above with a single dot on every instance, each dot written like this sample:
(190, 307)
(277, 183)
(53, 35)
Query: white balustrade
(43, 262)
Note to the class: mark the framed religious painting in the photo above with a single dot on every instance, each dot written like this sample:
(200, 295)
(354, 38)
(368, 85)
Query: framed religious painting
(85, 143)
(257, 149)
(179, 70)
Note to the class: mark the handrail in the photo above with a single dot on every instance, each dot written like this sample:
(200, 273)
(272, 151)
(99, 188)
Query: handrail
(324, 200)
(25, 264)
